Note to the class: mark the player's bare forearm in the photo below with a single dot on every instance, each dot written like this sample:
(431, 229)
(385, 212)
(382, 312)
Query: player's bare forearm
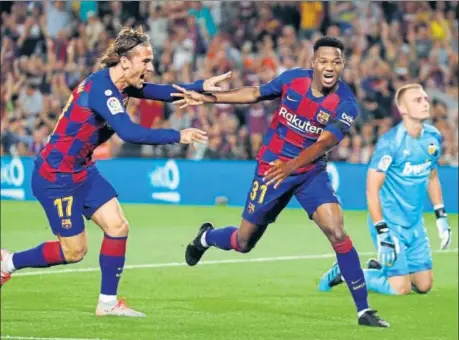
(434, 189)
(243, 95)
(326, 142)
(280, 170)
(375, 180)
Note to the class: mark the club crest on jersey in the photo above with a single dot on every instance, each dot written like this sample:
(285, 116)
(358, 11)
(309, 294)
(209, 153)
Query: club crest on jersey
(66, 223)
(251, 208)
(114, 105)
(323, 117)
(432, 149)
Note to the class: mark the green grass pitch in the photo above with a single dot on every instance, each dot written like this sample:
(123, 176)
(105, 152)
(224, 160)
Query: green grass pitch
(274, 298)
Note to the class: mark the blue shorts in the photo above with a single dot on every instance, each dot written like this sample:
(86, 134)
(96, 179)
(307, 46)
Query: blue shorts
(311, 189)
(414, 249)
(66, 203)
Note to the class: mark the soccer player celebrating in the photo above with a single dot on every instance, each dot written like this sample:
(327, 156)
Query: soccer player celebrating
(317, 110)
(66, 181)
(403, 168)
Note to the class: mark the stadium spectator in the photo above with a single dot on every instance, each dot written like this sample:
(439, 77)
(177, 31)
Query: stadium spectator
(49, 46)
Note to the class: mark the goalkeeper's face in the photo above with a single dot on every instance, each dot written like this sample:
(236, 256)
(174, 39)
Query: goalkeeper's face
(138, 65)
(415, 104)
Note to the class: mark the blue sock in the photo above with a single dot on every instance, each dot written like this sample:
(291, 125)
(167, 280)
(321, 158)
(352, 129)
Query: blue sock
(111, 260)
(223, 238)
(44, 255)
(349, 265)
(377, 281)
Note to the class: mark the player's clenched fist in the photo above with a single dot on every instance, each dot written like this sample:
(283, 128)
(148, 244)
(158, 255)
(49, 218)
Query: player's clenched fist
(191, 135)
(387, 248)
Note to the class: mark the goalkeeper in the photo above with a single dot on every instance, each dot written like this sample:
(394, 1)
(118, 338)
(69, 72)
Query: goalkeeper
(402, 170)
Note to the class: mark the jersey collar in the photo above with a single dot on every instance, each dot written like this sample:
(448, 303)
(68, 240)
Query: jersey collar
(402, 130)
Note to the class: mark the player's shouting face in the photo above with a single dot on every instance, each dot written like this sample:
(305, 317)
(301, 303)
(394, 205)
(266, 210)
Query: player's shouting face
(137, 64)
(328, 64)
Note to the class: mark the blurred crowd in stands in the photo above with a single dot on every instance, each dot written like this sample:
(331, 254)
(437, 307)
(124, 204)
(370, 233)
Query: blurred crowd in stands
(48, 47)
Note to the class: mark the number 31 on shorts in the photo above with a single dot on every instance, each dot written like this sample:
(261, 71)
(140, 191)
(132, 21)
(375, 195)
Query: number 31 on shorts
(258, 192)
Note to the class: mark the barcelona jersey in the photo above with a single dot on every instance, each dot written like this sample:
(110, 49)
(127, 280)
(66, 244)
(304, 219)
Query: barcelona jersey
(301, 117)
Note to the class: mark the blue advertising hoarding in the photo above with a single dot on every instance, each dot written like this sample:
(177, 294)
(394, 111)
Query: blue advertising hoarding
(202, 182)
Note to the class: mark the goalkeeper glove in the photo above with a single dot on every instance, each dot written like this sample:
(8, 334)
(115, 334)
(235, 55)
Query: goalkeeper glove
(387, 250)
(444, 230)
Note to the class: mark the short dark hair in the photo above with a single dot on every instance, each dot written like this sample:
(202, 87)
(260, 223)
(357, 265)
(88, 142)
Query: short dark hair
(328, 41)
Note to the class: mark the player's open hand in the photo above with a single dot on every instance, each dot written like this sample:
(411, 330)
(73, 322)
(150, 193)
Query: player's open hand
(278, 171)
(444, 232)
(188, 97)
(192, 135)
(210, 85)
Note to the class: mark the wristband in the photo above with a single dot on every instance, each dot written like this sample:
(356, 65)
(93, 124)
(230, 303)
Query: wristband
(440, 211)
(381, 227)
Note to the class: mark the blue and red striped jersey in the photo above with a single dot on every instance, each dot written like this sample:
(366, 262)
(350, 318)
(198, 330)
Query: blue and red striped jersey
(301, 117)
(95, 110)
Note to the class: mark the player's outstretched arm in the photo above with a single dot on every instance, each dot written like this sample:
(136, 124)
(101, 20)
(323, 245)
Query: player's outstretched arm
(435, 195)
(113, 112)
(243, 95)
(163, 92)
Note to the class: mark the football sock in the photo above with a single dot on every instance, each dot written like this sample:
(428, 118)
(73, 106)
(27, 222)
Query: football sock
(349, 265)
(44, 255)
(108, 299)
(377, 281)
(111, 261)
(223, 238)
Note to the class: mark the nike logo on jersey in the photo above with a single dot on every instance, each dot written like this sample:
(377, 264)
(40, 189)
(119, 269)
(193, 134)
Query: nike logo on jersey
(299, 123)
(291, 99)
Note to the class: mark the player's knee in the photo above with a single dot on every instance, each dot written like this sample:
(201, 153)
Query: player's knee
(244, 246)
(75, 253)
(339, 236)
(422, 287)
(119, 229)
(403, 289)
(336, 235)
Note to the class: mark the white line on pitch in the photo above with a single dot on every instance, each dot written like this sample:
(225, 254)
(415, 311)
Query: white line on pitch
(181, 264)
(12, 337)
